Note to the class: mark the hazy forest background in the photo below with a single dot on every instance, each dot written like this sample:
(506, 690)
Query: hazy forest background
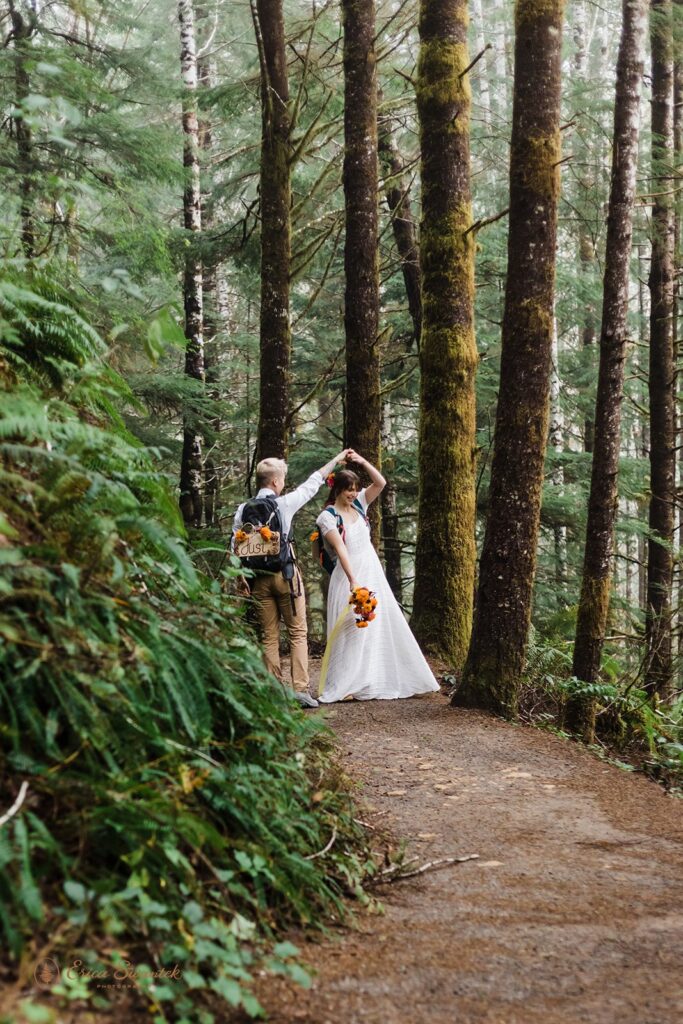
(148, 358)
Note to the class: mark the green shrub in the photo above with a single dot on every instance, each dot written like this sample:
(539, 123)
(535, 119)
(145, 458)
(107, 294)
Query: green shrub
(178, 801)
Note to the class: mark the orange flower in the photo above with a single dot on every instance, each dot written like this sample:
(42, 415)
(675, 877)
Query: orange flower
(314, 535)
(362, 624)
(240, 536)
(266, 532)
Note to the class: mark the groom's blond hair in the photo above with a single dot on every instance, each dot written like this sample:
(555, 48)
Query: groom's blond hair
(269, 468)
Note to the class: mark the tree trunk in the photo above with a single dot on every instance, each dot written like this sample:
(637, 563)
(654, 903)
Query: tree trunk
(496, 658)
(482, 74)
(361, 300)
(396, 190)
(678, 262)
(391, 540)
(556, 441)
(584, 160)
(275, 332)
(602, 503)
(445, 553)
(658, 671)
(206, 79)
(191, 459)
(22, 31)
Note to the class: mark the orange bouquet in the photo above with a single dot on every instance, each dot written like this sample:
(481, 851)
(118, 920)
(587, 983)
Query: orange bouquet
(364, 604)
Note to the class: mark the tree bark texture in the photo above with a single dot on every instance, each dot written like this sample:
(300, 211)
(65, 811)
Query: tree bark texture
(191, 504)
(361, 266)
(275, 330)
(22, 30)
(391, 540)
(396, 190)
(445, 553)
(678, 297)
(658, 672)
(602, 503)
(556, 442)
(206, 78)
(584, 161)
(496, 658)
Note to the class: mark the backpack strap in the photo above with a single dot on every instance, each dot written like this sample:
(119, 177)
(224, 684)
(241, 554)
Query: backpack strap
(361, 511)
(338, 520)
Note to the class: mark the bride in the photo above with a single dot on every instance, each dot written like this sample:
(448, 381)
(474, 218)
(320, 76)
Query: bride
(383, 661)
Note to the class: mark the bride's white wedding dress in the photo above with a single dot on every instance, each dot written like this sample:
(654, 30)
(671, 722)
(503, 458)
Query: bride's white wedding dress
(383, 661)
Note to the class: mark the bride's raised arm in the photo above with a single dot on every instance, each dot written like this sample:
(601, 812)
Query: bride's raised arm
(375, 488)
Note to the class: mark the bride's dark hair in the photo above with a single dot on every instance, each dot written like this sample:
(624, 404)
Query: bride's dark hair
(342, 479)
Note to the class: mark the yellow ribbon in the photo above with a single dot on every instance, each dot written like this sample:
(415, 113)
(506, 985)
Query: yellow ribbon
(330, 640)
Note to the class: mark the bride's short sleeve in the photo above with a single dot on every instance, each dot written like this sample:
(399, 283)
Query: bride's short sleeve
(363, 500)
(325, 522)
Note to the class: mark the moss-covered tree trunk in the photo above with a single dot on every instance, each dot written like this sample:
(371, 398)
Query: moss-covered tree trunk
(495, 661)
(275, 331)
(445, 553)
(396, 190)
(362, 428)
(602, 502)
(191, 504)
(658, 671)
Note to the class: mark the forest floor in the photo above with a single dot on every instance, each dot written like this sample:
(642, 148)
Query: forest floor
(571, 913)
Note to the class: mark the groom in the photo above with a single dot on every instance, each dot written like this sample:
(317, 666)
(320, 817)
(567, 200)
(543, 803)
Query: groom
(274, 598)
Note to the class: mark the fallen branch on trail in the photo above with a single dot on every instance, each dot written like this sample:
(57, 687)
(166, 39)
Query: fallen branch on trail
(394, 873)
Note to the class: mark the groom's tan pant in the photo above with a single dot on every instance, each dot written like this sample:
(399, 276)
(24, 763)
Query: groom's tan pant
(273, 601)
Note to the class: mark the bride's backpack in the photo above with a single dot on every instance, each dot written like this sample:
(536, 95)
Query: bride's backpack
(321, 553)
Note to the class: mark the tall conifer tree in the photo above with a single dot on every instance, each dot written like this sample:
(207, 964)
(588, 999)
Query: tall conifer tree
(191, 460)
(662, 386)
(445, 557)
(602, 502)
(275, 187)
(361, 300)
(503, 610)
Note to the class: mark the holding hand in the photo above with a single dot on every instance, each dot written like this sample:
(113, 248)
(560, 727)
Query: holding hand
(353, 456)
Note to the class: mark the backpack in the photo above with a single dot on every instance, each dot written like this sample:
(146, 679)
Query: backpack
(328, 559)
(257, 553)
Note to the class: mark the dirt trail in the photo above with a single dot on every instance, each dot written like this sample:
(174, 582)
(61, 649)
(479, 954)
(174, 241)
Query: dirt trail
(572, 912)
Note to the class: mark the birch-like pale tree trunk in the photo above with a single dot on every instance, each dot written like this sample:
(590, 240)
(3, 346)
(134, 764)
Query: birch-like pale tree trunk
(191, 499)
(556, 443)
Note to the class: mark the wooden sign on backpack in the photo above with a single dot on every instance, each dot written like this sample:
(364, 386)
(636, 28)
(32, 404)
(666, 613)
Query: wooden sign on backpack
(255, 546)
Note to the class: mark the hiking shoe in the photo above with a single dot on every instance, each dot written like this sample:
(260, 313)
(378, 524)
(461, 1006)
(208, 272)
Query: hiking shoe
(305, 699)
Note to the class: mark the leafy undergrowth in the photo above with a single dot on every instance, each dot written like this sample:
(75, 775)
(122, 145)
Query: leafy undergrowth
(631, 730)
(178, 809)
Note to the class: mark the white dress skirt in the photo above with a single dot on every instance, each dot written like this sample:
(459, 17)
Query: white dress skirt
(382, 661)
